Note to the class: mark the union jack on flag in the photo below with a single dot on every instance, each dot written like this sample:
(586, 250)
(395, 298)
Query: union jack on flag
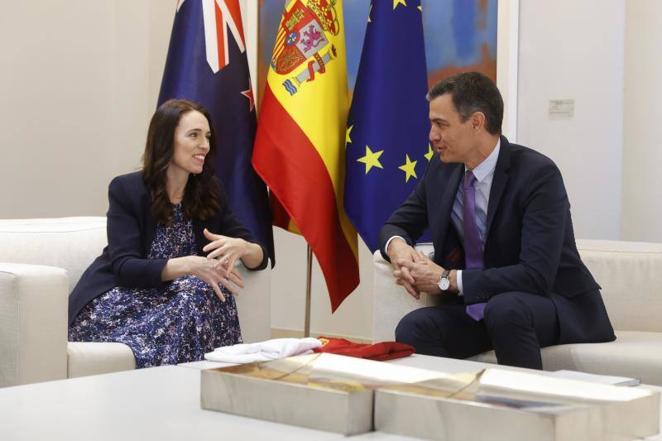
(219, 17)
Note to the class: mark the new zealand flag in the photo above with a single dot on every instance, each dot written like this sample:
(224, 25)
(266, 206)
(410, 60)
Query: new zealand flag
(207, 63)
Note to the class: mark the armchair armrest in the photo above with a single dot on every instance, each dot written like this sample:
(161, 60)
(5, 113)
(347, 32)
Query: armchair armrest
(33, 323)
(254, 304)
(390, 301)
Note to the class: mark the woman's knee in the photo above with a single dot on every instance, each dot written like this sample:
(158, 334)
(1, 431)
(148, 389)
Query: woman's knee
(191, 299)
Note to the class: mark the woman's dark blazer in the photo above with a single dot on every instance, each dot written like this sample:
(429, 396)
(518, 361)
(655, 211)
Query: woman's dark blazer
(131, 230)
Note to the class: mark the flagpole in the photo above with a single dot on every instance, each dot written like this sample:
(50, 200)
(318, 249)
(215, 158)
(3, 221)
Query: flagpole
(309, 273)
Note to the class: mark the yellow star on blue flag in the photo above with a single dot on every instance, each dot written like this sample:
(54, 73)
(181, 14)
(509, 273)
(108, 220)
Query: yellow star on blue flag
(371, 159)
(397, 3)
(348, 134)
(409, 167)
(429, 154)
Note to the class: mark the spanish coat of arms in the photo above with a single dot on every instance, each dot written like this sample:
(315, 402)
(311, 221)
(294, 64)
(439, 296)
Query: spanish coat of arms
(302, 46)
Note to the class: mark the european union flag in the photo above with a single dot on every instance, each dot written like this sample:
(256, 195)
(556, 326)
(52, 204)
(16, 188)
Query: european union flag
(387, 131)
(207, 63)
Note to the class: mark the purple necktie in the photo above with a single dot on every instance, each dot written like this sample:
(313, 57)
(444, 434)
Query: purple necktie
(473, 249)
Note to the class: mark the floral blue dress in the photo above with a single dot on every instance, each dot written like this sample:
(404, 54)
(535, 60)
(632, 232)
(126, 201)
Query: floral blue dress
(173, 324)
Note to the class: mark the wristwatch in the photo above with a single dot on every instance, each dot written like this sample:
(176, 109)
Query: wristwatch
(444, 282)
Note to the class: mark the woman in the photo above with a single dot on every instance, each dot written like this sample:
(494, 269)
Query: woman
(153, 288)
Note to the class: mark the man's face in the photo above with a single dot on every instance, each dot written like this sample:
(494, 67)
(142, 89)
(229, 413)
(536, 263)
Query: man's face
(449, 136)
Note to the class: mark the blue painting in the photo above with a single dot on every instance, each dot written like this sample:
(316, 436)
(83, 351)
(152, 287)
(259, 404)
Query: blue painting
(460, 35)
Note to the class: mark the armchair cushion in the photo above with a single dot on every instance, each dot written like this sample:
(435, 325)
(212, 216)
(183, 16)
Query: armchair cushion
(634, 354)
(98, 358)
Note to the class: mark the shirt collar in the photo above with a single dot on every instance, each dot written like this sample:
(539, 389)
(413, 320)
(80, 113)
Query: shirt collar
(486, 168)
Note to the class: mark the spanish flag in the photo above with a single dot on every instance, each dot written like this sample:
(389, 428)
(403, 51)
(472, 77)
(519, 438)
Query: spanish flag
(300, 143)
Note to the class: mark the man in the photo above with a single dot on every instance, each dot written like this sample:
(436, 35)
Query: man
(505, 265)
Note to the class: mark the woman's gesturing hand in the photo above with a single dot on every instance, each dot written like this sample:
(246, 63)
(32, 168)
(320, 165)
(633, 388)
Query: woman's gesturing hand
(226, 249)
(214, 274)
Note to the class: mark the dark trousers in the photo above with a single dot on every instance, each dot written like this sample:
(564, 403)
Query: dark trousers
(516, 325)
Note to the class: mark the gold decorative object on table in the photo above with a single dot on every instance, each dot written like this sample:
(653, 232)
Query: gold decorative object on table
(351, 396)
(499, 404)
(320, 391)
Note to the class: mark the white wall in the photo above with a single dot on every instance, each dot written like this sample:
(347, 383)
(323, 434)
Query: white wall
(572, 49)
(353, 318)
(78, 81)
(642, 180)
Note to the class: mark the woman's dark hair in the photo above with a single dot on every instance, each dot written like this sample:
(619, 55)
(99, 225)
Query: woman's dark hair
(473, 92)
(202, 198)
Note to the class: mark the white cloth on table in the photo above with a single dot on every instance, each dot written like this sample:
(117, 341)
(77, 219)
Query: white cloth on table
(264, 350)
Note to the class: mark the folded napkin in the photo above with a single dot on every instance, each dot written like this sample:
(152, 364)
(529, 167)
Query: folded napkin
(264, 350)
(386, 350)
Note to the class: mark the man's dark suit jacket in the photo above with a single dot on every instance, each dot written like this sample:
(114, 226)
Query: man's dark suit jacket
(529, 246)
(131, 230)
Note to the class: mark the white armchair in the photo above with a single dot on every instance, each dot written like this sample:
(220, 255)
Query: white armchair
(40, 262)
(630, 274)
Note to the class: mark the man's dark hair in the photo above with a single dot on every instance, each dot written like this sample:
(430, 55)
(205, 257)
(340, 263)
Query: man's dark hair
(473, 92)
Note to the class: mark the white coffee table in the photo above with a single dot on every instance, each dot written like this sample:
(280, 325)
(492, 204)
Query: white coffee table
(159, 403)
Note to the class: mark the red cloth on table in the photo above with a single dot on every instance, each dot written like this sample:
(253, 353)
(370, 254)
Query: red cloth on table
(387, 350)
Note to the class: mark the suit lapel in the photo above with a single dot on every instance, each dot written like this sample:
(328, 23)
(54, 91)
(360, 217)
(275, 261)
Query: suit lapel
(498, 183)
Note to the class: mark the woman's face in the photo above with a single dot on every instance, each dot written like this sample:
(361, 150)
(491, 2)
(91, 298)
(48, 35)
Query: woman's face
(191, 143)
